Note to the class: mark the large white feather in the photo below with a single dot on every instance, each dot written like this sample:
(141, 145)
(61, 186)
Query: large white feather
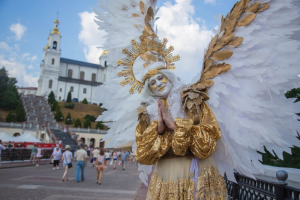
(248, 100)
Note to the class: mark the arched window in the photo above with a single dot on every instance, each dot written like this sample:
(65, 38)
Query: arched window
(93, 77)
(53, 61)
(54, 46)
(71, 88)
(84, 90)
(70, 73)
(105, 63)
(17, 134)
(50, 84)
(81, 75)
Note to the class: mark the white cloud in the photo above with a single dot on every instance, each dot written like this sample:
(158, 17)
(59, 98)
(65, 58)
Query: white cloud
(186, 35)
(29, 67)
(4, 45)
(18, 29)
(25, 55)
(210, 1)
(33, 58)
(14, 64)
(91, 37)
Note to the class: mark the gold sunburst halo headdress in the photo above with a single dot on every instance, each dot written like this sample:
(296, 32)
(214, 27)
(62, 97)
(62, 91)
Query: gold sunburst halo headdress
(157, 49)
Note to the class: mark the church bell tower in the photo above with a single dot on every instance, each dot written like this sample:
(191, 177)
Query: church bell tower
(49, 68)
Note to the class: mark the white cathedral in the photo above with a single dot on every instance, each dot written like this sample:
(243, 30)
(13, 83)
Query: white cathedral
(62, 75)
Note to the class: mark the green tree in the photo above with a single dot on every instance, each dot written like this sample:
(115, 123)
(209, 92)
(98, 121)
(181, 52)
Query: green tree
(51, 98)
(68, 119)
(84, 101)
(87, 123)
(69, 97)
(77, 123)
(100, 125)
(100, 105)
(53, 105)
(8, 91)
(91, 117)
(20, 113)
(58, 114)
(293, 93)
(11, 116)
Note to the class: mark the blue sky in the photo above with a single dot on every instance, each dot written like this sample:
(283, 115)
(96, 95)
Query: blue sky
(25, 26)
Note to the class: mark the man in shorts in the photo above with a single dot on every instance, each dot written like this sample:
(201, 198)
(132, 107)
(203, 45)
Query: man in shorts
(33, 153)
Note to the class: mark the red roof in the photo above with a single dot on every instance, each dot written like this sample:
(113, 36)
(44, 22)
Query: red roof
(28, 88)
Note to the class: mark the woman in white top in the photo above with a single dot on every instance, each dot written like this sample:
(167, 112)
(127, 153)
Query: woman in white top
(107, 155)
(115, 157)
(67, 158)
(100, 166)
(39, 155)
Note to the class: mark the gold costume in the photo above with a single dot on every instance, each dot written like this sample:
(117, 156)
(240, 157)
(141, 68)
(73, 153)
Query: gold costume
(172, 152)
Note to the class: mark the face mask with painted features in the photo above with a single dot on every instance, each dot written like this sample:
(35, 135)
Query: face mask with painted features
(160, 85)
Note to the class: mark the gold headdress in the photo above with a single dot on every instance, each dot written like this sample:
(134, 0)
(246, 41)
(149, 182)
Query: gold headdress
(151, 50)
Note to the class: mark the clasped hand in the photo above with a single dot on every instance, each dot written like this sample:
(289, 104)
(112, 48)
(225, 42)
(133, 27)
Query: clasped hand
(164, 118)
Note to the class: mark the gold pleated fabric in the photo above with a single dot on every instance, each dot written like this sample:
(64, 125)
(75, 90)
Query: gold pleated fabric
(211, 185)
(171, 180)
(150, 145)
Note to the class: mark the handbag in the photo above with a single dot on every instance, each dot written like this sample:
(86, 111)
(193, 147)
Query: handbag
(69, 164)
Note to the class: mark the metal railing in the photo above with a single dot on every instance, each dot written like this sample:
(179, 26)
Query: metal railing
(11, 154)
(87, 130)
(250, 189)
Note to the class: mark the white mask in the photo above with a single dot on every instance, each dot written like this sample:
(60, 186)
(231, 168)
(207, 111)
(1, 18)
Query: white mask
(160, 85)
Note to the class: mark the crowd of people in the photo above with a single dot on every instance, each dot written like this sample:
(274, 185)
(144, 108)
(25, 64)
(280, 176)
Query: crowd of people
(101, 159)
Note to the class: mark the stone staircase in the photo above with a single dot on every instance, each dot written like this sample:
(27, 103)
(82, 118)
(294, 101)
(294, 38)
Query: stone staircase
(38, 111)
(65, 138)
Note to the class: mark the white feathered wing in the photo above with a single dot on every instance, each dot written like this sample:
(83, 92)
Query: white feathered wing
(248, 100)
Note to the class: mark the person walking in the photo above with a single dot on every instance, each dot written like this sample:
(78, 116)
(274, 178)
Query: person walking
(123, 159)
(130, 157)
(1, 148)
(67, 158)
(115, 157)
(107, 157)
(39, 155)
(81, 157)
(33, 154)
(100, 166)
(95, 154)
(56, 155)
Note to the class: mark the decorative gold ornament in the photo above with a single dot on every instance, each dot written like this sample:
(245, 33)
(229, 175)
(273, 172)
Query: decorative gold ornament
(141, 49)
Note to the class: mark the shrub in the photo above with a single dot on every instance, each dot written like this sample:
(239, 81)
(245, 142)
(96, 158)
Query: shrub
(20, 113)
(100, 125)
(53, 105)
(58, 114)
(11, 116)
(100, 105)
(91, 117)
(69, 97)
(69, 105)
(87, 123)
(84, 101)
(51, 97)
(77, 123)
(68, 119)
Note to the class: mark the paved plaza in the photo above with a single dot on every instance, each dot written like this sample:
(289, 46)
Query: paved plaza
(44, 183)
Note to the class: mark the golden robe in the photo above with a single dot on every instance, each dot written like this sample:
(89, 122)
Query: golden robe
(173, 151)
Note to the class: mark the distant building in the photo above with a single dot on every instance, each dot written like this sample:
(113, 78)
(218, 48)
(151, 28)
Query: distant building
(27, 90)
(62, 75)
